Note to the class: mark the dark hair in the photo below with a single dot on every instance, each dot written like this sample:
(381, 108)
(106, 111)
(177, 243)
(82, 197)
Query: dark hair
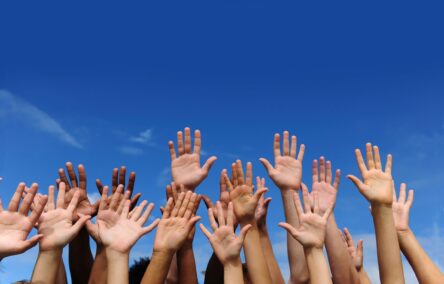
(137, 270)
(215, 271)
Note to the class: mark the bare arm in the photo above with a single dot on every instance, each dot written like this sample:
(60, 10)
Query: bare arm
(378, 189)
(357, 256)
(425, 269)
(261, 220)
(245, 203)
(341, 266)
(226, 244)
(311, 234)
(100, 267)
(287, 175)
(171, 234)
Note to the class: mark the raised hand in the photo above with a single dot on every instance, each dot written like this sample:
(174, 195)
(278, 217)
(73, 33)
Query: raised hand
(173, 192)
(119, 178)
(322, 184)
(401, 208)
(116, 227)
(311, 231)
(378, 184)
(176, 223)
(15, 224)
(244, 199)
(262, 207)
(84, 207)
(287, 172)
(356, 253)
(57, 224)
(186, 168)
(225, 243)
(224, 198)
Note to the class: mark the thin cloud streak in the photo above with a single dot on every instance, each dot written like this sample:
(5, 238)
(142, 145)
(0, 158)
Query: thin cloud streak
(14, 107)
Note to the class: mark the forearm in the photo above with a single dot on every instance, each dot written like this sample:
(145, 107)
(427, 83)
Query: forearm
(254, 256)
(425, 270)
(389, 255)
(80, 257)
(341, 265)
(47, 266)
(99, 269)
(317, 266)
(273, 266)
(173, 274)
(186, 264)
(118, 267)
(61, 273)
(233, 273)
(296, 257)
(158, 268)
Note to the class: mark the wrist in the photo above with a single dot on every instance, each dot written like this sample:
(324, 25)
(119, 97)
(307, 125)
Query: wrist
(232, 263)
(404, 233)
(113, 255)
(287, 190)
(248, 221)
(312, 250)
(51, 253)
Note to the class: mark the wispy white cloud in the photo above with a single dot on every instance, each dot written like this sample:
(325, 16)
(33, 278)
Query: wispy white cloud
(144, 137)
(16, 108)
(129, 150)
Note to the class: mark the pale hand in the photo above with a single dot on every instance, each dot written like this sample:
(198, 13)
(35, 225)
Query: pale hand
(401, 209)
(377, 187)
(225, 243)
(322, 184)
(185, 168)
(287, 172)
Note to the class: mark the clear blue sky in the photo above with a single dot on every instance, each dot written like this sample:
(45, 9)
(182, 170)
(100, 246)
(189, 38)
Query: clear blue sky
(80, 80)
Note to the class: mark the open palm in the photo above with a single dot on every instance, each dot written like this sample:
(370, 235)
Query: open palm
(322, 184)
(242, 196)
(378, 184)
(73, 185)
(312, 225)
(287, 172)
(185, 168)
(57, 224)
(16, 224)
(225, 243)
(176, 223)
(401, 208)
(116, 227)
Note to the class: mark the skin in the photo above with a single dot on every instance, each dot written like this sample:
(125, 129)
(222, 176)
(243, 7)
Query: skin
(58, 227)
(377, 187)
(261, 220)
(311, 234)
(287, 175)
(185, 262)
(118, 230)
(172, 231)
(245, 202)
(341, 266)
(80, 256)
(185, 167)
(99, 269)
(425, 270)
(226, 245)
(15, 224)
(357, 256)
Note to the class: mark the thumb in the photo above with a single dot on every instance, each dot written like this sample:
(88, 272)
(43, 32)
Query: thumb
(208, 164)
(257, 195)
(266, 164)
(358, 183)
(244, 231)
(27, 244)
(75, 229)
